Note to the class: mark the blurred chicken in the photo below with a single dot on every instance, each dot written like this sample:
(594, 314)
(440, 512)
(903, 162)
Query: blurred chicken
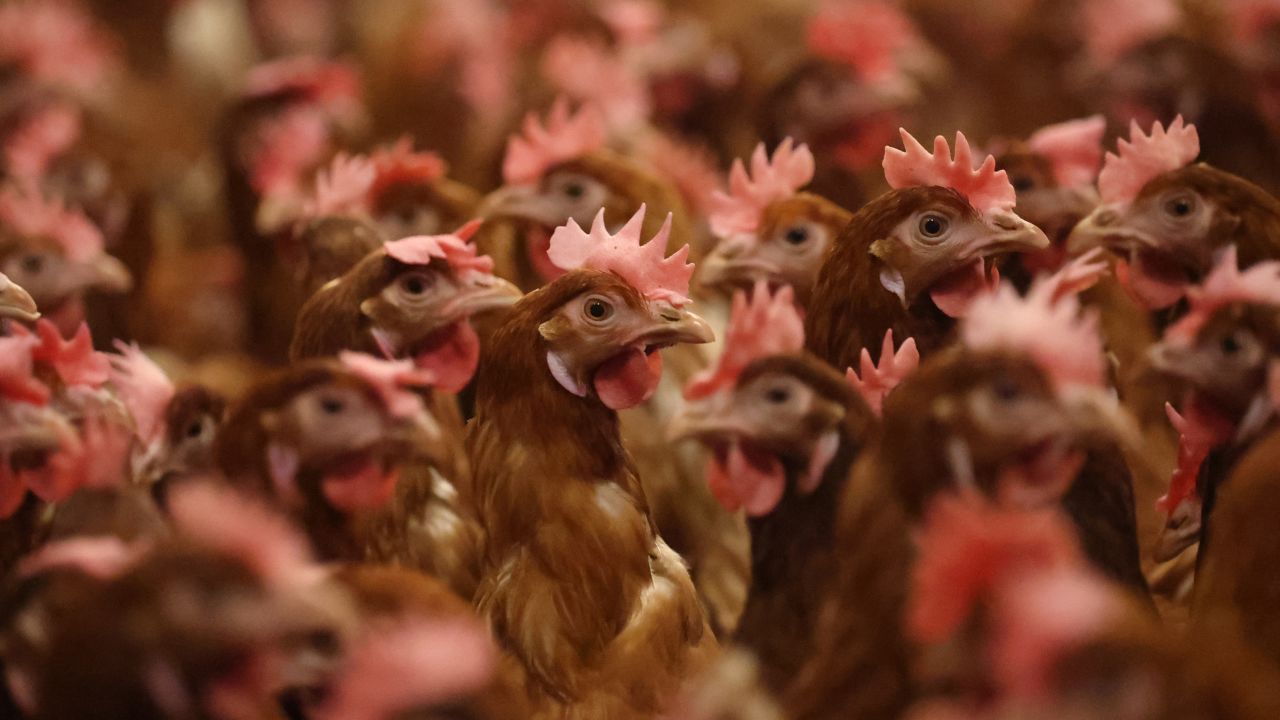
(784, 430)
(562, 171)
(576, 582)
(294, 114)
(1220, 354)
(913, 259)
(767, 228)
(56, 254)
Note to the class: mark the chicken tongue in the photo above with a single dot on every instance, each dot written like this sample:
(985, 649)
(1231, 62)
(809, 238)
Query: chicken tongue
(1154, 283)
(954, 293)
(362, 483)
(628, 378)
(451, 355)
(743, 477)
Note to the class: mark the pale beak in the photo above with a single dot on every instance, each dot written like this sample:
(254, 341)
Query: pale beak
(703, 420)
(480, 294)
(522, 202)
(104, 273)
(1105, 227)
(673, 325)
(1010, 233)
(1180, 362)
(16, 303)
(732, 263)
(1181, 530)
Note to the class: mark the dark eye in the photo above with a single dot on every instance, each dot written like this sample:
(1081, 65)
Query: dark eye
(331, 406)
(195, 429)
(777, 395)
(598, 309)
(1230, 345)
(32, 264)
(1181, 206)
(1022, 183)
(415, 284)
(574, 190)
(797, 235)
(932, 226)
(1006, 390)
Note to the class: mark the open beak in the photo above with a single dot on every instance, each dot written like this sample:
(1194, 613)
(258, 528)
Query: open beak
(1181, 362)
(672, 325)
(523, 203)
(16, 303)
(480, 294)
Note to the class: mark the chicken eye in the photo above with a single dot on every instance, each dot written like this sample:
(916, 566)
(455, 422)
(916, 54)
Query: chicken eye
(777, 395)
(1006, 390)
(933, 226)
(331, 406)
(415, 284)
(32, 264)
(797, 235)
(1181, 206)
(1022, 183)
(574, 190)
(195, 429)
(1230, 345)
(598, 309)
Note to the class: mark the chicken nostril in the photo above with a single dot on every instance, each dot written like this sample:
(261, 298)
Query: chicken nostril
(670, 315)
(1106, 217)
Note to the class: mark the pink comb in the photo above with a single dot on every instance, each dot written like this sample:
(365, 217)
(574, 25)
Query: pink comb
(691, 168)
(37, 217)
(644, 266)
(17, 370)
(987, 189)
(414, 665)
(1142, 158)
(865, 34)
(1111, 29)
(332, 85)
(453, 249)
(32, 147)
(587, 71)
(390, 380)
(344, 188)
(1073, 148)
(144, 389)
(770, 180)
(1046, 325)
(226, 522)
(400, 164)
(760, 326)
(969, 548)
(1227, 285)
(877, 382)
(286, 148)
(1251, 18)
(75, 361)
(56, 42)
(539, 148)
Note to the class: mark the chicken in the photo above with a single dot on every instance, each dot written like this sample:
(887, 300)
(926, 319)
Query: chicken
(1016, 414)
(200, 626)
(844, 98)
(1168, 219)
(576, 582)
(56, 254)
(326, 440)
(767, 228)
(294, 114)
(329, 246)
(1053, 172)
(911, 260)
(784, 429)
(1220, 353)
(562, 171)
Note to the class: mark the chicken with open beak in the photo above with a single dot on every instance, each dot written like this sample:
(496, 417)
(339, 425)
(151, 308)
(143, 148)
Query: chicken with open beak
(57, 255)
